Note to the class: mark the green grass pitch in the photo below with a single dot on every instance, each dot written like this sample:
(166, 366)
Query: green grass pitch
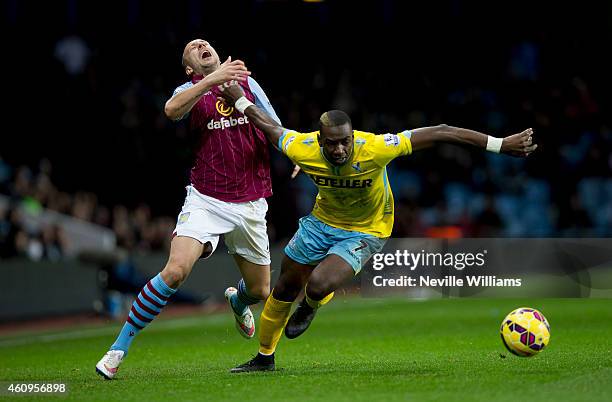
(357, 349)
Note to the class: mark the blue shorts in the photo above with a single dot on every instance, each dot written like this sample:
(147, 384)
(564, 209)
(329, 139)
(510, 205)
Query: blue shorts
(315, 240)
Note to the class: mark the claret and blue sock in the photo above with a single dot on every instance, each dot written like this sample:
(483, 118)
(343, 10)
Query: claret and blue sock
(147, 305)
(242, 300)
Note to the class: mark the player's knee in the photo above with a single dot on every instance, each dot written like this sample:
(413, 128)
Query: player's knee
(176, 271)
(260, 292)
(287, 291)
(317, 287)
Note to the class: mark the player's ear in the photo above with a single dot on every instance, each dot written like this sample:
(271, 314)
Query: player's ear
(188, 70)
(319, 139)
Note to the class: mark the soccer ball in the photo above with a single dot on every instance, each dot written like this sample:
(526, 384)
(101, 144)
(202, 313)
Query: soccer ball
(525, 332)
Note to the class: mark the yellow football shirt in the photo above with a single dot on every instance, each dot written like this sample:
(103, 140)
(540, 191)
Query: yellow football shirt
(355, 196)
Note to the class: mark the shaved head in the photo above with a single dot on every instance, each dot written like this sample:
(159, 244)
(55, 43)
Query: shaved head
(199, 57)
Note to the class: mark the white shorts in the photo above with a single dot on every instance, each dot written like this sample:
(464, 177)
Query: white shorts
(243, 225)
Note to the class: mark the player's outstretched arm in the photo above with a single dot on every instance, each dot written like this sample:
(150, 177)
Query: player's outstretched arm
(520, 144)
(181, 103)
(233, 95)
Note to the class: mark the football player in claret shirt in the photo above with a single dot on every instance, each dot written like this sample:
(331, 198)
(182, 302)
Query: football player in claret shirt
(230, 180)
(353, 212)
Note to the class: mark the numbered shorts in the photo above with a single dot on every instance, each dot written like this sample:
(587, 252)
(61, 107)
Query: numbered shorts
(243, 225)
(315, 240)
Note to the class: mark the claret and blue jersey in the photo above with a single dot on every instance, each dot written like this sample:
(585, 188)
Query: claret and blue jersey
(231, 161)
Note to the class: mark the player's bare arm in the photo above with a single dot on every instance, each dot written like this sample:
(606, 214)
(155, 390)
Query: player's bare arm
(180, 104)
(231, 92)
(520, 144)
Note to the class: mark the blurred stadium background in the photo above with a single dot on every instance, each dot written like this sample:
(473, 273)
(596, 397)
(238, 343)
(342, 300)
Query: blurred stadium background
(92, 174)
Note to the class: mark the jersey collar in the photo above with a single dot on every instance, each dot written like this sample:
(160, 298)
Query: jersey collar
(196, 78)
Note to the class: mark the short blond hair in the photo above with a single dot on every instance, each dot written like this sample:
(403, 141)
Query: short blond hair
(334, 118)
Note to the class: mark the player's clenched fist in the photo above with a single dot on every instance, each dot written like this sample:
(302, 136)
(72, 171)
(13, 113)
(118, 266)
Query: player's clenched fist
(231, 91)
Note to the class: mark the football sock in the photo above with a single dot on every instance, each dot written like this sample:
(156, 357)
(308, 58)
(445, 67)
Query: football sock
(147, 305)
(315, 304)
(265, 359)
(273, 319)
(241, 300)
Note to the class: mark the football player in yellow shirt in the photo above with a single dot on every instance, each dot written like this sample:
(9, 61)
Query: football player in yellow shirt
(353, 213)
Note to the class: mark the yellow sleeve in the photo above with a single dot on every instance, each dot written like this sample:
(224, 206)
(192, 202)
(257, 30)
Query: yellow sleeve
(387, 147)
(289, 143)
(285, 142)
